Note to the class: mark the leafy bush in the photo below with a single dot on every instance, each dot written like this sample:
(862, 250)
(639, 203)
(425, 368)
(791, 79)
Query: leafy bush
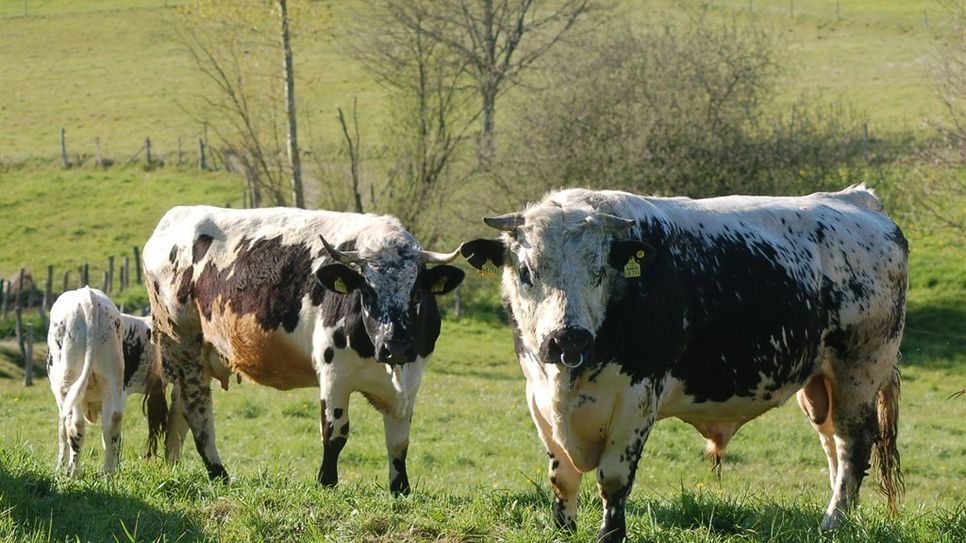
(678, 109)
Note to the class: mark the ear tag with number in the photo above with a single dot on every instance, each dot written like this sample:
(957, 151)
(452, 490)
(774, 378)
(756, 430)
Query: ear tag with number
(488, 269)
(632, 268)
(339, 286)
(438, 286)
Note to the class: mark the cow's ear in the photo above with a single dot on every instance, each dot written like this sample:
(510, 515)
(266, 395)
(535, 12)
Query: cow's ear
(630, 257)
(338, 278)
(442, 279)
(486, 255)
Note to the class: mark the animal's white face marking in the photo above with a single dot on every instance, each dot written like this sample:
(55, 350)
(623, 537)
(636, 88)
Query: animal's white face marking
(557, 276)
(391, 267)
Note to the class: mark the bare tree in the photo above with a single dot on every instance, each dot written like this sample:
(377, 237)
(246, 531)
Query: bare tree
(496, 41)
(352, 143)
(298, 198)
(943, 180)
(431, 119)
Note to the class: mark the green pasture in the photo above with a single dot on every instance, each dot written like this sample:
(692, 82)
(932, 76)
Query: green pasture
(116, 72)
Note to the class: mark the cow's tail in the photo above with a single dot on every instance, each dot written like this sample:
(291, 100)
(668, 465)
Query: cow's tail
(885, 451)
(155, 405)
(80, 385)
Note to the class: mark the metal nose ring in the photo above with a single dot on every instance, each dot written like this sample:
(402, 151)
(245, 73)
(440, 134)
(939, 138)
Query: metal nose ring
(572, 366)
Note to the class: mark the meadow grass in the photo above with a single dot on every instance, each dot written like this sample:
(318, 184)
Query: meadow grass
(477, 467)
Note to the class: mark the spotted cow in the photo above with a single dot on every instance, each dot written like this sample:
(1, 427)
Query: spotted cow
(291, 298)
(627, 310)
(96, 356)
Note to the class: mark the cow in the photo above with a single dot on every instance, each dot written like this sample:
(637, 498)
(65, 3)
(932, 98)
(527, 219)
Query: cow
(291, 298)
(96, 356)
(628, 309)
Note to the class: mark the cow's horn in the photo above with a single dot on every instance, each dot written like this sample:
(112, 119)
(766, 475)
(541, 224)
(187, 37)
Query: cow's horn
(347, 257)
(432, 257)
(507, 223)
(610, 224)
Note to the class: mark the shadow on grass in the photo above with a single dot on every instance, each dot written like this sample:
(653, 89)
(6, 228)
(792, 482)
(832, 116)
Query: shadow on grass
(41, 506)
(935, 335)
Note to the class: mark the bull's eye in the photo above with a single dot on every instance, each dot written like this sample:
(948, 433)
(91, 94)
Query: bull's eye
(598, 277)
(525, 276)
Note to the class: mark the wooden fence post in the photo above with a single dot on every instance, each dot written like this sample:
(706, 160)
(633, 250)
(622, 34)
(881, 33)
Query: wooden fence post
(127, 273)
(4, 294)
(28, 360)
(18, 313)
(86, 279)
(66, 279)
(110, 274)
(97, 145)
(104, 282)
(147, 150)
(202, 163)
(63, 148)
(180, 156)
(137, 264)
(49, 287)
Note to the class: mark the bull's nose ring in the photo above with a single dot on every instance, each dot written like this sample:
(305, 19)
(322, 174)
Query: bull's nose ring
(563, 361)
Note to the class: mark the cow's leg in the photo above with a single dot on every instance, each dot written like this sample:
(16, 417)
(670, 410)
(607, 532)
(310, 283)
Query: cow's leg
(334, 424)
(855, 422)
(76, 427)
(194, 397)
(815, 399)
(397, 445)
(632, 423)
(564, 477)
(63, 447)
(177, 428)
(112, 418)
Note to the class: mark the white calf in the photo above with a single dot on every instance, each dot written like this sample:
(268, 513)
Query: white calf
(94, 356)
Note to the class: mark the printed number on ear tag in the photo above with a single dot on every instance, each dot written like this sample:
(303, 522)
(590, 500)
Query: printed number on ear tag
(488, 269)
(339, 286)
(438, 286)
(632, 268)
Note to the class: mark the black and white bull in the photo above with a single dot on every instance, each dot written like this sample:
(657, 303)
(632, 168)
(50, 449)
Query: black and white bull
(263, 294)
(627, 310)
(96, 356)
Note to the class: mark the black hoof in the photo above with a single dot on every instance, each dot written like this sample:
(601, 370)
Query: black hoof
(216, 472)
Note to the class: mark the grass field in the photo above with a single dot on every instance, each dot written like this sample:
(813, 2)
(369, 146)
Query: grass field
(114, 72)
(118, 73)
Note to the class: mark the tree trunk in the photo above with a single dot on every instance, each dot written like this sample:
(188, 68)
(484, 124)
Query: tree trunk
(298, 198)
(486, 149)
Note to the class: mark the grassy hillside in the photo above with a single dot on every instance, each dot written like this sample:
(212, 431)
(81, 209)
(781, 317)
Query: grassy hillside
(65, 218)
(117, 73)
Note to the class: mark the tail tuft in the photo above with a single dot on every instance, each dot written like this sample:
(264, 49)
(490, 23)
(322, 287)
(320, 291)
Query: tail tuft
(885, 451)
(155, 408)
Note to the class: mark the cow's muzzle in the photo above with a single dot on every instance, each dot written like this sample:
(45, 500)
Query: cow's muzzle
(569, 346)
(395, 352)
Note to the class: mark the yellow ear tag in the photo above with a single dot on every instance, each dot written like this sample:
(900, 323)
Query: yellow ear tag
(488, 269)
(632, 268)
(439, 286)
(339, 286)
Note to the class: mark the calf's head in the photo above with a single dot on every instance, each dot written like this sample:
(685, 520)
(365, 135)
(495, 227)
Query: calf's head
(561, 267)
(396, 291)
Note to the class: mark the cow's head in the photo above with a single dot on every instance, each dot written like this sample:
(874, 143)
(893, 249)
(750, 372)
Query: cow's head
(561, 266)
(395, 288)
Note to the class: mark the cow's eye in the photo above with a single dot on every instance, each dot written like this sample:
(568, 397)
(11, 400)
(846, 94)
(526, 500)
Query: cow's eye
(525, 276)
(598, 277)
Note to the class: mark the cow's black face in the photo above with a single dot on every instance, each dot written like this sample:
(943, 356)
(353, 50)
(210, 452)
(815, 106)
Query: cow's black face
(398, 314)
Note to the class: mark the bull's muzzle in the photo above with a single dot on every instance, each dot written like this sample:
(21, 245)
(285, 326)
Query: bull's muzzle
(569, 346)
(395, 351)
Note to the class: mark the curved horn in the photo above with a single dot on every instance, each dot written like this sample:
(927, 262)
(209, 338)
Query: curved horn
(348, 257)
(432, 257)
(610, 224)
(507, 223)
